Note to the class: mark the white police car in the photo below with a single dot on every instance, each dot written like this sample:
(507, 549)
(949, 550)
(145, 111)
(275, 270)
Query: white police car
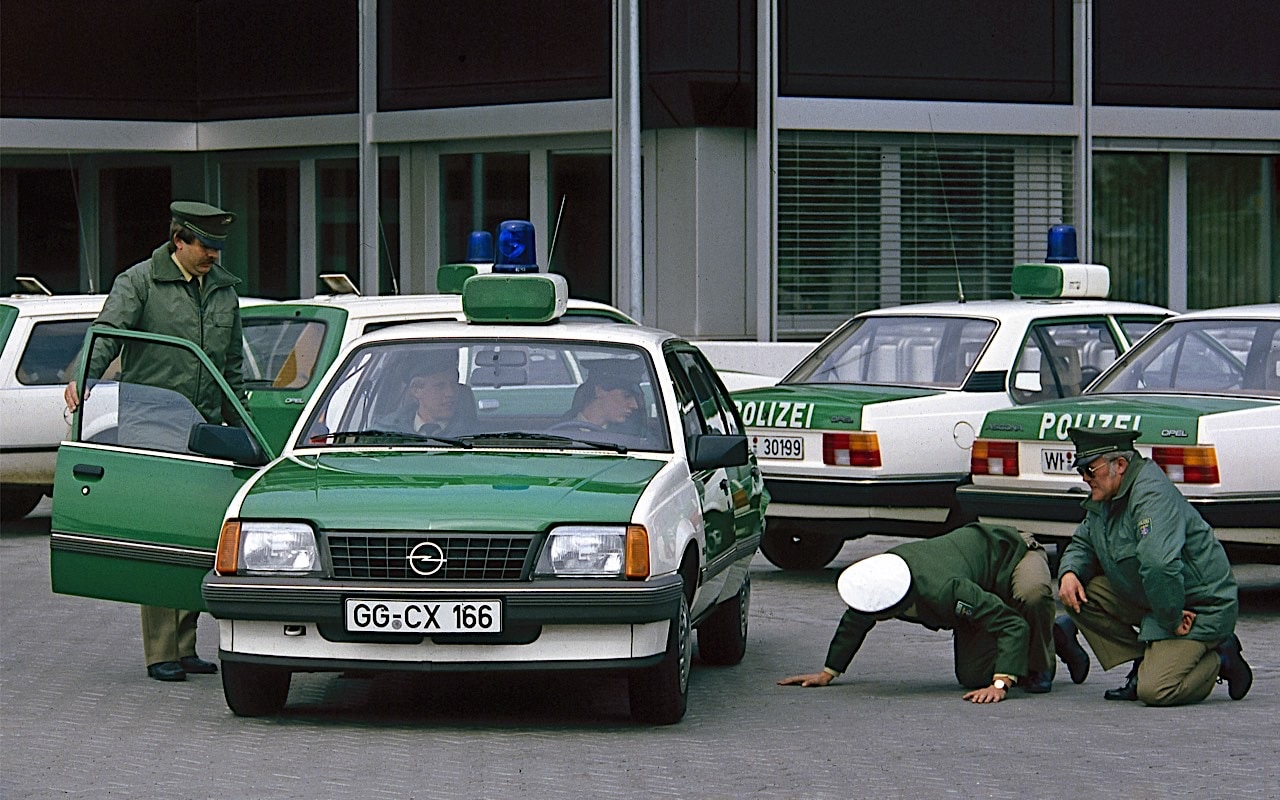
(871, 432)
(41, 336)
(1204, 390)
(588, 503)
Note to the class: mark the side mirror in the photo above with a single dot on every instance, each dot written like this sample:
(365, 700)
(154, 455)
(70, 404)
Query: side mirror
(226, 443)
(712, 450)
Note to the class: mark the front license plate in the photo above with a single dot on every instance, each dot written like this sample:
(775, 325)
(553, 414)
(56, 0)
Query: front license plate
(778, 446)
(424, 616)
(1057, 462)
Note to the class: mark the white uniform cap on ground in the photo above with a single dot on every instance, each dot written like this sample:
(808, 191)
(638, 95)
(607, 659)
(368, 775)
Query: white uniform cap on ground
(875, 584)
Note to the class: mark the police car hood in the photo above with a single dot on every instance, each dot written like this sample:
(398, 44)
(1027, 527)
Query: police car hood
(439, 490)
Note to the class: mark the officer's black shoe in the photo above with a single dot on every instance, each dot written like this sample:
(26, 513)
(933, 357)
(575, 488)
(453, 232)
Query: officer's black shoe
(1038, 683)
(167, 671)
(198, 666)
(1130, 689)
(1068, 648)
(1235, 671)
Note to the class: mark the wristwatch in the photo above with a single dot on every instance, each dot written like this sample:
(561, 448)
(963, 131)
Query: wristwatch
(1001, 684)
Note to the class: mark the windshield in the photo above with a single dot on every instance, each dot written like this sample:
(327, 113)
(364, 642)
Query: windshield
(936, 352)
(1201, 356)
(487, 393)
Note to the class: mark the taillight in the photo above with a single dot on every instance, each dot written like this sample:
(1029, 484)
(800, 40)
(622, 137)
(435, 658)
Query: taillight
(1188, 464)
(857, 449)
(994, 458)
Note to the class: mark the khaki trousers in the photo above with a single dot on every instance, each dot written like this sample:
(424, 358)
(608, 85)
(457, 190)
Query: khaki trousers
(1173, 671)
(168, 634)
(1032, 592)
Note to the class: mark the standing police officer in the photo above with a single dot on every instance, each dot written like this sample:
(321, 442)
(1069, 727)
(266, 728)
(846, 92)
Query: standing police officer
(1146, 581)
(182, 291)
(988, 583)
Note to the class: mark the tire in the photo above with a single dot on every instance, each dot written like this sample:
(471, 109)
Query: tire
(787, 547)
(17, 501)
(660, 694)
(722, 637)
(254, 690)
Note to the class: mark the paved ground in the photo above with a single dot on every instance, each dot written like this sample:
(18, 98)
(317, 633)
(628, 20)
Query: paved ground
(79, 719)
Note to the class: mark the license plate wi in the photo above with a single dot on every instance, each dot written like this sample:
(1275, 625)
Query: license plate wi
(1055, 461)
(791, 447)
(424, 616)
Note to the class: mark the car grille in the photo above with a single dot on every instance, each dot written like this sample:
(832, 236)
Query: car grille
(468, 557)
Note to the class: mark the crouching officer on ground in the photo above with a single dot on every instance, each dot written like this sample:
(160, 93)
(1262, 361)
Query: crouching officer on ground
(1146, 581)
(988, 583)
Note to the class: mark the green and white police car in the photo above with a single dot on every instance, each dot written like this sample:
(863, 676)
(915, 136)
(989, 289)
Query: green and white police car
(871, 432)
(593, 505)
(1204, 390)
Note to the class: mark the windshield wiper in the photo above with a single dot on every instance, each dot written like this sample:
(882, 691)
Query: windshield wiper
(406, 436)
(547, 437)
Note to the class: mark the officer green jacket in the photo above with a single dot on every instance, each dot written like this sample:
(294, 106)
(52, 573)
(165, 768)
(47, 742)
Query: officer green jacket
(154, 296)
(1157, 552)
(959, 580)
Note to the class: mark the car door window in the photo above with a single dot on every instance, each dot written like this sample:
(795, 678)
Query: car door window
(1060, 359)
(702, 387)
(51, 351)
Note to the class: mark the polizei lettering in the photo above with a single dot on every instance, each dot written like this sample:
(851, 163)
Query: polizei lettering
(1057, 424)
(776, 414)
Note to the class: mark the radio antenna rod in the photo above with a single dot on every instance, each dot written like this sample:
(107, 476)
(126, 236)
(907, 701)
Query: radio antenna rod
(555, 231)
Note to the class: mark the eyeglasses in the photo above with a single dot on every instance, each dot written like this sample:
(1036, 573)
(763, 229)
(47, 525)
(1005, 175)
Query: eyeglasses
(1091, 471)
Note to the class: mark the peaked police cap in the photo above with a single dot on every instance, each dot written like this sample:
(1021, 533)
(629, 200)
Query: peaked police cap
(208, 223)
(875, 584)
(1091, 443)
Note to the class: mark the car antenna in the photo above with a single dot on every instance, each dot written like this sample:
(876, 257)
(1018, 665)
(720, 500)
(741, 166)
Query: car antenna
(75, 192)
(946, 206)
(552, 249)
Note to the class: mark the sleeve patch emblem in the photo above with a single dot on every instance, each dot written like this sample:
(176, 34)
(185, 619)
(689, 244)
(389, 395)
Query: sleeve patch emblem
(1144, 527)
(964, 610)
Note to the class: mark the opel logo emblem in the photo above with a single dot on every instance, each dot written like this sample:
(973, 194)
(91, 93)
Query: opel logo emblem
(426, 558)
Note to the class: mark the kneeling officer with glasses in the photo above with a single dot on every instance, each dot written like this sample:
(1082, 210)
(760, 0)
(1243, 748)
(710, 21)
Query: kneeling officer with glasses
(1146, 581)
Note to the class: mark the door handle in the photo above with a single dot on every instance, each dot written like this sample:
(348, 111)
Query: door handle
(87, 471)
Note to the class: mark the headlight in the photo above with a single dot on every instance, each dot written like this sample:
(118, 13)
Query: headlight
(277, 547)
(574, 551)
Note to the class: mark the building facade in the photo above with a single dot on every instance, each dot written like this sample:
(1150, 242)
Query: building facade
(754, 169)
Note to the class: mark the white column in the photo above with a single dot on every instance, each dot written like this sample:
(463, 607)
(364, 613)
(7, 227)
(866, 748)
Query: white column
(368, 150)
(766, 174)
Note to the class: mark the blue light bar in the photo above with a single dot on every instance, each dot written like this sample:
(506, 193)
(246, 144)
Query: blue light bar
(516, 250)
(1062, 245)
(480, 248)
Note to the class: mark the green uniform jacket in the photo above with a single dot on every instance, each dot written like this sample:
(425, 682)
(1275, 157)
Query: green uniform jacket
(958, 580)
(154, 296)
(1159, 553)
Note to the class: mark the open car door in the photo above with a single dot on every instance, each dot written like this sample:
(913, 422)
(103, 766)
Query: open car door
(141, 488)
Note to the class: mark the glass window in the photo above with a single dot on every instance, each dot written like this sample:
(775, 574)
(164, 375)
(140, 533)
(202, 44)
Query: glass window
(338, 222)
(1233, 357)
(46, 242)
(51, 350)
(1060, 359)
(935, 352)
(505, 393)
(1131, 224)
(280, 353)
(263, 249)
(478, 191)
(134, 216)
(581, 184)
(1233, 230)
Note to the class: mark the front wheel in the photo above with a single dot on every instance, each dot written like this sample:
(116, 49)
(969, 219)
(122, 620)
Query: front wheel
(660, 694)
(17, 501)
(255, 690)
(788, 547)
(722, 638)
